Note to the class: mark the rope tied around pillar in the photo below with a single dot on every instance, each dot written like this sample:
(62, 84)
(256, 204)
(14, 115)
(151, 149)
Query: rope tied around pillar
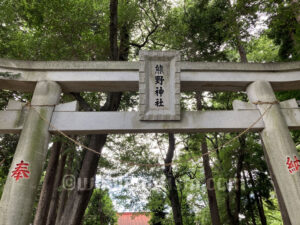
(266, 103)
(28, 104)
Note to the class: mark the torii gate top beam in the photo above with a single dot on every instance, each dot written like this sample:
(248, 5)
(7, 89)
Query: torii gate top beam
(124, 76)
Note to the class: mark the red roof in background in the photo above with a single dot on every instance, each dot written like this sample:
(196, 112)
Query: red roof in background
(133, 218)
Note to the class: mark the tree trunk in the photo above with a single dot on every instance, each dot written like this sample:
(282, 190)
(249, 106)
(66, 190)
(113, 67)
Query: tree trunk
(241, 50)
(239, 169)
(210, 186)
(258, 202)
(228, 207)
(55, 195)
(227, 194)
(48, 186)
(124, 43)
(113, 30)
(78, 199)
(237, 38)
(63, 197)
(249, 199)
(242, 139)
(295, 3)
(171, 182)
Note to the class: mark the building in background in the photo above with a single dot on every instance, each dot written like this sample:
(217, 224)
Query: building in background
(133, 218)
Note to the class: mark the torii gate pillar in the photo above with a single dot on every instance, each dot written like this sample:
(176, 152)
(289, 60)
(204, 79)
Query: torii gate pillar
(19, 195)
(279, 146)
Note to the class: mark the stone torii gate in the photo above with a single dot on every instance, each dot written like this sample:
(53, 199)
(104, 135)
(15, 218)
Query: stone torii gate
(159, 112)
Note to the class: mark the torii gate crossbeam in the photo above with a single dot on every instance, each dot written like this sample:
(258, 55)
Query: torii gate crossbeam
(124, 76)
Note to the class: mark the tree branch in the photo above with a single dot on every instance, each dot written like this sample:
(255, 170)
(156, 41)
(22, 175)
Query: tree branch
(139, 46)
(83, 104)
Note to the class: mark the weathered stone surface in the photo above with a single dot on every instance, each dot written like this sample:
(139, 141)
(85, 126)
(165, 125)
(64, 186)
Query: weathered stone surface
(241, 105)
(67, 107)
(121, 65)
(128, 122)
(291, 103)
(18, 196)
(14, 105)
(278, 147)
(124, 76)
(11, 122)
(159, 85)
(13, 118)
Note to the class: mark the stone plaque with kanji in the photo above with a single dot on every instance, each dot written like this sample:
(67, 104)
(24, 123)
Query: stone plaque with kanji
(159, 85)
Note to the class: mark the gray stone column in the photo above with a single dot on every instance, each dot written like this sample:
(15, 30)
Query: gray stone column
(279, 146)
(18, 196)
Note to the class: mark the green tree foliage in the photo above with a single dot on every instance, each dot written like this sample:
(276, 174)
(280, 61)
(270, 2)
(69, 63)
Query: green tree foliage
(215, 24)
(100, 210)
(205, 19)
(284, 27)
(157, 206)
(56, 30)
(259, 49)
(8, 144)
